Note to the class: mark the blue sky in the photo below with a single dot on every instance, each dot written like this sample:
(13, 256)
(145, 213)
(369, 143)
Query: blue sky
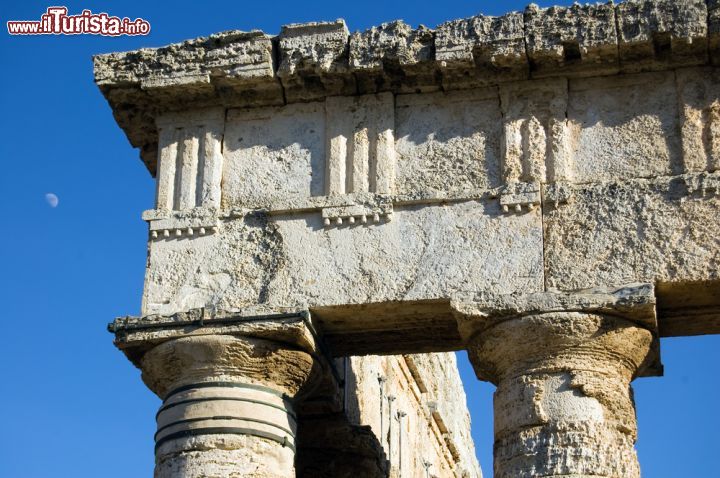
(70, 404)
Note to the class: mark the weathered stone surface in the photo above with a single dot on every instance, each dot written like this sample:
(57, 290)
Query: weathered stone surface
(317, 60)
(136, 335)
(648, 230)
(213, 387)
(280, 148)
(699, 103)
(563, 405)
(413, 413)
(535, 131)
(186, 273)
(624, 127)
(394, 41)
(481, 50)
(448, 141)
(226, 68)
(224, 358)
(191, 160)
(316, 47)
(409, 258)
(446, 401)
(313, 60)
(279, 163)
(359, 145)
(393, 56)
(234, 54)
(634, 302)
(655, 33)
(581, 39)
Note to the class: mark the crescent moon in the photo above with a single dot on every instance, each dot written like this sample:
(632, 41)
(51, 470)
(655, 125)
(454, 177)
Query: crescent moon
(52, 199)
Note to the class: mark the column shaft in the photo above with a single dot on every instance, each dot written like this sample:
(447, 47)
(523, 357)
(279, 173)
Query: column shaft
(563, 404)
(228, 406)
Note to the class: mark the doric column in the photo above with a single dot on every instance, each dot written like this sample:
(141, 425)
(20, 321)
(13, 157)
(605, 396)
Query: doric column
(229, 385)
(563, 404)
(227, 406)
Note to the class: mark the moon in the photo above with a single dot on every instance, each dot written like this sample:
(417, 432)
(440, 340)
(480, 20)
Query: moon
(52, 199)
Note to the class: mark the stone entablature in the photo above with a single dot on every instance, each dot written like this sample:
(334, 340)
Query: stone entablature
(519, 162)
(536, 169)
(311, 61)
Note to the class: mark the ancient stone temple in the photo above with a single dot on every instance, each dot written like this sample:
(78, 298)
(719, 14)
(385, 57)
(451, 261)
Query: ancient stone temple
(336, 213)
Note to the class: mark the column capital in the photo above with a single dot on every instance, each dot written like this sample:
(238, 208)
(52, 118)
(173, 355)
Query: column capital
(135, 336)
(221, 359)
(560, 341)
(229, 383)
(563, 363)
(551, 324)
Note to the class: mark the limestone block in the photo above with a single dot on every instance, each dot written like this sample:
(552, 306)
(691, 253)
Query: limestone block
(360, 149)
(191, 160)
(654, 33)
(357, 213)
(234, 266)
(243, 72)
(313, 60)
(317, 60)
(624, 127)
(481, 50)
(231, 67)
(197, 221)
(518, 196)
(392, 41)
(535, 131)
(448, 141)
(342, 146)
(234, 54)
(273, 153)
(293, 260)
(393, 56)
(661, 229)
(240, 55)
(136, 335)
(412, 257)
(580, 39)
(312, 47)
(477, 311)
(179, 63)
(699, 103)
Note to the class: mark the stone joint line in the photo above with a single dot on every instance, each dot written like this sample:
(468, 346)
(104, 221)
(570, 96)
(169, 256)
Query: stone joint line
(250, 386)
(282, 440)
(239, 409)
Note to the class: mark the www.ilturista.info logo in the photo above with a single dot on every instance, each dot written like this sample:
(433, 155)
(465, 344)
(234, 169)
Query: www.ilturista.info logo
(56, 21)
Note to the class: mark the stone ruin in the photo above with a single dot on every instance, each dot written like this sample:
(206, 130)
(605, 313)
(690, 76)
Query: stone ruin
(336, 213)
